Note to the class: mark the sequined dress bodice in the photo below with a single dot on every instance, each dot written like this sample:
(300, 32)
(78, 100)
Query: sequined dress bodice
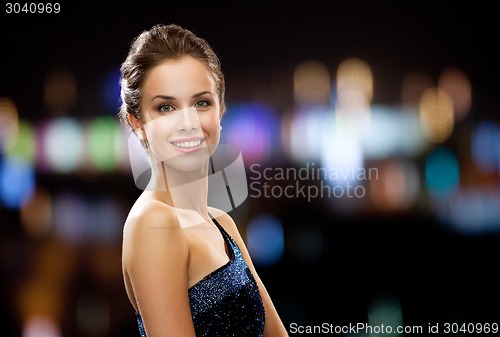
(227, 301)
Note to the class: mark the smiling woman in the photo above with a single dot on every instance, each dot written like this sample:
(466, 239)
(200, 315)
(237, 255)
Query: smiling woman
(186, 268)
(185, 121)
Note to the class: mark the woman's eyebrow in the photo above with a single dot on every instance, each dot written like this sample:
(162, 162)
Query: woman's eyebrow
(201, 94)
(166, 97)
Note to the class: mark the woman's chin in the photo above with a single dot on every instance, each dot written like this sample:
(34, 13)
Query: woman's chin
(193, 162)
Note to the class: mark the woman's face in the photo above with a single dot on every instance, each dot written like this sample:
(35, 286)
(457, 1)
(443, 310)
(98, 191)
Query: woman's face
(181, 113)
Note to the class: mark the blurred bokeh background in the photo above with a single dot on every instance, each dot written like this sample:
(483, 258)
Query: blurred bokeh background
(370, 135)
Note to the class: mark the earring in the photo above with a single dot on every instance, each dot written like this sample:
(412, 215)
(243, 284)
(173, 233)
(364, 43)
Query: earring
(143, 140)
(145, 144)
(220, 127)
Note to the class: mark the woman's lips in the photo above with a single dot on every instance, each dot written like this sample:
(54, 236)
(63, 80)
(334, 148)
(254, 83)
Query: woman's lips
(188, 144)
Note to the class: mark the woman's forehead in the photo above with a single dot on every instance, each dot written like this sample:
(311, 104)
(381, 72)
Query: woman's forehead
(179, 77)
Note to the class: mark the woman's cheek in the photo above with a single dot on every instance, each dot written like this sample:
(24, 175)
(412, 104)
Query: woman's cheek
(158, 131)
(160, 127)
(211, 131)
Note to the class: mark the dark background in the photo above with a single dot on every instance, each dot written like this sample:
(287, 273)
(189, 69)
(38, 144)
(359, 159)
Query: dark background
(434, 272)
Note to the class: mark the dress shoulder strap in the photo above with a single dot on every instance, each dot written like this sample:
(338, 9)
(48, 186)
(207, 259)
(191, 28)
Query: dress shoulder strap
(222, 230)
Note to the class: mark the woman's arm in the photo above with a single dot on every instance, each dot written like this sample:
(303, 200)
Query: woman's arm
(155, 258)
(273, 325)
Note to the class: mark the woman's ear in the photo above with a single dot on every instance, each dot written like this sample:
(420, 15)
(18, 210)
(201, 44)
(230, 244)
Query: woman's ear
(137, 126)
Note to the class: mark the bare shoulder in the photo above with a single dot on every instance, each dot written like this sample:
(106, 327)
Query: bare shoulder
(151, 214)
(152, 226)
(155, 252)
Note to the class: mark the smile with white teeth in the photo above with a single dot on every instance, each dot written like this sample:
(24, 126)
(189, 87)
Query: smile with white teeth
(188, 145)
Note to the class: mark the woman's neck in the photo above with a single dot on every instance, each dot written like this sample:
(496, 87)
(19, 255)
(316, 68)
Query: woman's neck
(187, 191)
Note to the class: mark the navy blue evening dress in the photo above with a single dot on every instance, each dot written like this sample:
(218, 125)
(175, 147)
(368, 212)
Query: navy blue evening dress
(227, 301)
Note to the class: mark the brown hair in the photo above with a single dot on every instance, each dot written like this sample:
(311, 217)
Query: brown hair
(152, 47)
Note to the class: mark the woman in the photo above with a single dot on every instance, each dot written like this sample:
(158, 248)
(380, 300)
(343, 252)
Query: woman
(186, 269)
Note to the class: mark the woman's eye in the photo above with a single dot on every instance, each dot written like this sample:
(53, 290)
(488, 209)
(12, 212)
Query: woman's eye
(165, 108)
(202, 104)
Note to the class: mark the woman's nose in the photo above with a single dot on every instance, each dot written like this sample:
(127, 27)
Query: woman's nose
(188, 120)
